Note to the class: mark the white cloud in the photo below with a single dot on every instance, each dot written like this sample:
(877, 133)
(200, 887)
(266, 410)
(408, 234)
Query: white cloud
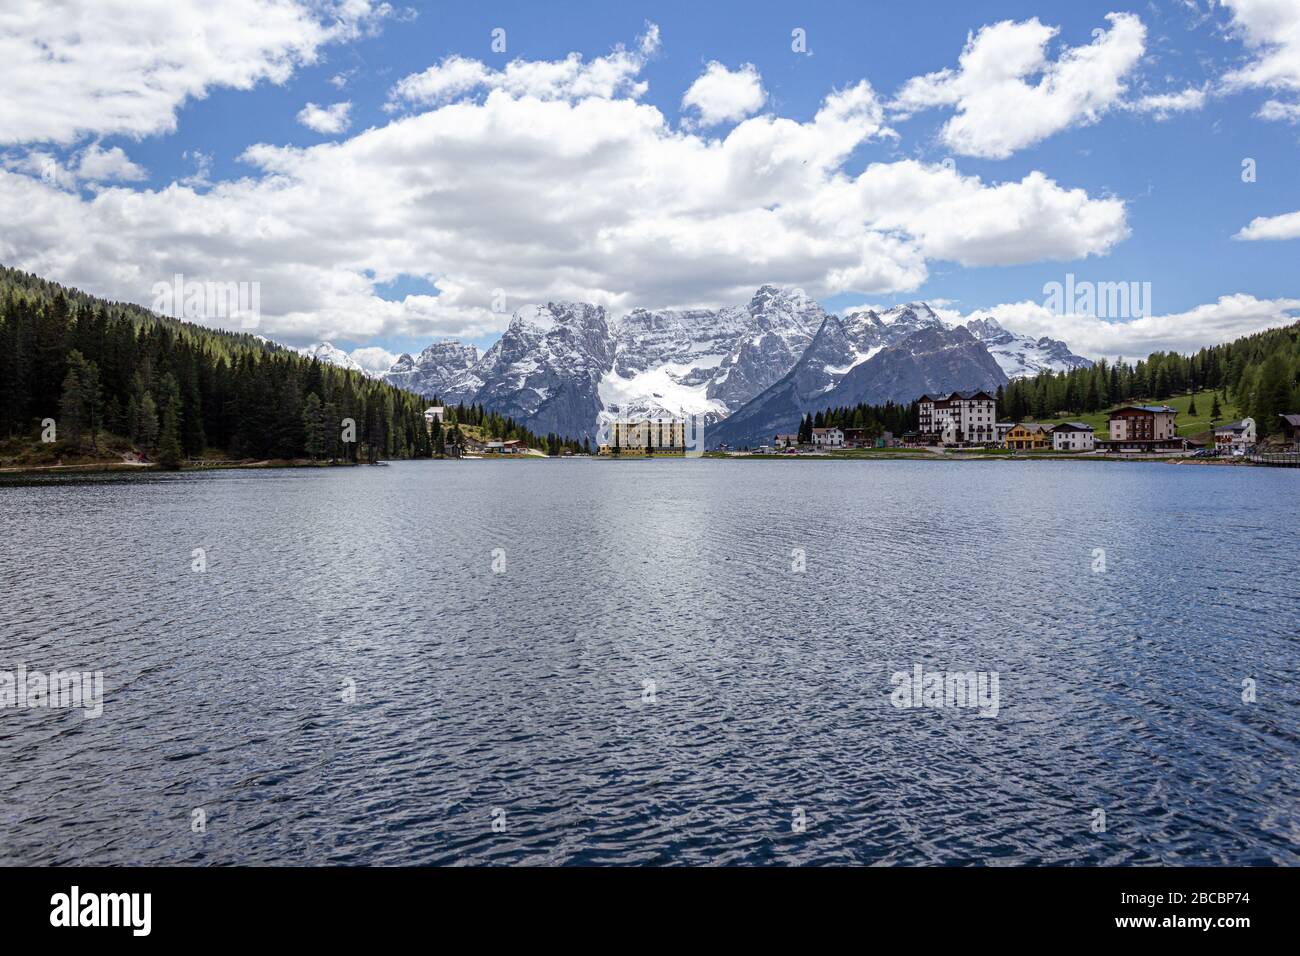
(102, 165)
(547, 197)
(571, 78)
(374, 359)
(126, 66)
(326, 119)
(1279, 111)
(1232, 316)
(1271, 29)
(94, 164)
(998, 111)
(720, 95)
(1272, 227)
(1164, 105)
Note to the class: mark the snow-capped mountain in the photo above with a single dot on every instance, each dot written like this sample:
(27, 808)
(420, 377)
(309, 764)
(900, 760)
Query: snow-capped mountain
(333, 355)
(666, 360)
(704, 361)
(779, 325)
(934, 358)
(561, 367)
(1020, 355)
(546, 370)
(440, 369)
(929, 356)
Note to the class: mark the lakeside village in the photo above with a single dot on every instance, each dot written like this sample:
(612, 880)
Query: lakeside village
(961, 421)
(968, 420)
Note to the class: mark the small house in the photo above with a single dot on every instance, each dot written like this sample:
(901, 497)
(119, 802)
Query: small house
(1026, 437)
(1235, 437)
(828, 437)
(1073, 436)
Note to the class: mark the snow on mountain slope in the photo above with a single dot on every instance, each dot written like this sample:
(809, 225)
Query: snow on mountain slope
(1021, 356)
(704, 361)
(779, 325)
(331, 354)
(441, 369)
(546, 370)
(561, 367)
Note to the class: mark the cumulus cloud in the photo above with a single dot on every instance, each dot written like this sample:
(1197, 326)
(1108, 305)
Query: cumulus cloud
(1230, 317)
(103, 165)
(1271, 29)
(374, 359)
(547, 193)
(571, 78)
(129, 65)
(998, 109)
(720, 95)
(1272, 227)
(326, 119)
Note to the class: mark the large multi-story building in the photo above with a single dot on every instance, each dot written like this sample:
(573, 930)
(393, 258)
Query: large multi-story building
(666, 433)
(1143, 428)
(962, 418)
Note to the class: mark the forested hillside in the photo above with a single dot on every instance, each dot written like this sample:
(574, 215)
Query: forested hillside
(1258, 374)
(100, 370)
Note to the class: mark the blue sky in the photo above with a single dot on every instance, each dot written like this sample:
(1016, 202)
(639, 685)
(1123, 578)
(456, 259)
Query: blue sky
(1177, 173)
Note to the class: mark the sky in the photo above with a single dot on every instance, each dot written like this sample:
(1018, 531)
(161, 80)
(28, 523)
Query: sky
(387, 175)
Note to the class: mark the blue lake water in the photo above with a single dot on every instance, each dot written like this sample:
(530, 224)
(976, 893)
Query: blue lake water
(617, 662)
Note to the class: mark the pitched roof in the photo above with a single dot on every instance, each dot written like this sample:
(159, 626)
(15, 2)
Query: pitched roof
(1073, 427)
(1231, 426)
(1292, 420)
(965, 396)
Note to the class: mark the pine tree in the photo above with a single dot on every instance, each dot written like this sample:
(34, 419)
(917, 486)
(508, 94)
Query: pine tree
(169, 441)
(313, 427)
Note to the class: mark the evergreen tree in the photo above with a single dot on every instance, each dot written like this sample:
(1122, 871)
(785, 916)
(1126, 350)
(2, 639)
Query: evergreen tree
(313, 427)
(169, 441)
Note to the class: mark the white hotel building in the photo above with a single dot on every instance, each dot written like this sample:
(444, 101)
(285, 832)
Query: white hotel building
(962, 418)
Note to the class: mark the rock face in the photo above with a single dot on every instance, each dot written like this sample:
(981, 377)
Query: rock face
(779, 324)
(840, 346)
(707, 362)
(931, 359)
(1020, 355)
(777, 410)
(665, 362)
(440, 368)
(545, 371)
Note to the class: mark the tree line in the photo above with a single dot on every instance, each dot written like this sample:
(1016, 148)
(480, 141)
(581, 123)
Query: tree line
(92, 371)
(875, 419)
(1258, 373)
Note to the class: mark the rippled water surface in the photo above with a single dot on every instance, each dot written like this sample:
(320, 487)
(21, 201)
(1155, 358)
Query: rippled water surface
(523, 697)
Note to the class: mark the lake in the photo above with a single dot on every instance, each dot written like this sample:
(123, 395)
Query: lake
(656, 662)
